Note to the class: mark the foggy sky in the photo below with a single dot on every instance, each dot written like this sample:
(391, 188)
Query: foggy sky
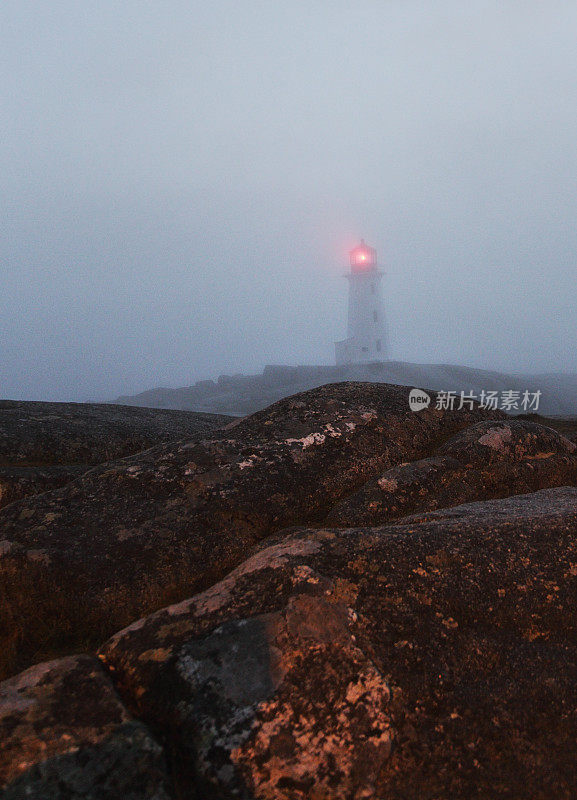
(181, 182)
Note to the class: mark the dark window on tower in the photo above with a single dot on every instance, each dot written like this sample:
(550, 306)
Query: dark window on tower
(365, 349)
(372, 288)
(375, 316)
(378, 345)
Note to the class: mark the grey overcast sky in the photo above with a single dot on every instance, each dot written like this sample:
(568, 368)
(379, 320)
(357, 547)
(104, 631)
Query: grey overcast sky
(181, 181)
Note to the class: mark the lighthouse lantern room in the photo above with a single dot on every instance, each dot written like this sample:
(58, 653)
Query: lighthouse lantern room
(366, 341)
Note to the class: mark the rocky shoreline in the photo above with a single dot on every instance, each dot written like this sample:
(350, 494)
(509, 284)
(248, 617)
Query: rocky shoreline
(335, 597)
(243, 394)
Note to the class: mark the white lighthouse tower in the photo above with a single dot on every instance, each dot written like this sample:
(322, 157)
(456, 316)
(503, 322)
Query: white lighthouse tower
(367, 336)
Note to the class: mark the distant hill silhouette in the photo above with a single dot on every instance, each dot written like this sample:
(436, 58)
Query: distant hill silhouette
(244, 394)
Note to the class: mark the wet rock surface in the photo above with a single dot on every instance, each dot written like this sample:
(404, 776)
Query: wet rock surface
(65, 734)
(321, 646)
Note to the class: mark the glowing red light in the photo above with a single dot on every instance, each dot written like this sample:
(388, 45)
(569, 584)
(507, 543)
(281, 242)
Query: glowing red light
(363, 257)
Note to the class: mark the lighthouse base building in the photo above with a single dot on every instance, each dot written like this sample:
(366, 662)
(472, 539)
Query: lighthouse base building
(367, 335)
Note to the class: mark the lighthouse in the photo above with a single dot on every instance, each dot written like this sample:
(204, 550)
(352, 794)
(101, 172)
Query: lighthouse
(367, 337)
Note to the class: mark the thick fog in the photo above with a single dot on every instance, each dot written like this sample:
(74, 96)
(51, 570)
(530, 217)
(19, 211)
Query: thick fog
(181, 182)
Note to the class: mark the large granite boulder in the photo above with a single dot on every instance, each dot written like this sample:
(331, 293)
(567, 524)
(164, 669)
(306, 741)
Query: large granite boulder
(434, 658)
(65, 735)
(490, 459)
(428, 651)
(143, 531)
